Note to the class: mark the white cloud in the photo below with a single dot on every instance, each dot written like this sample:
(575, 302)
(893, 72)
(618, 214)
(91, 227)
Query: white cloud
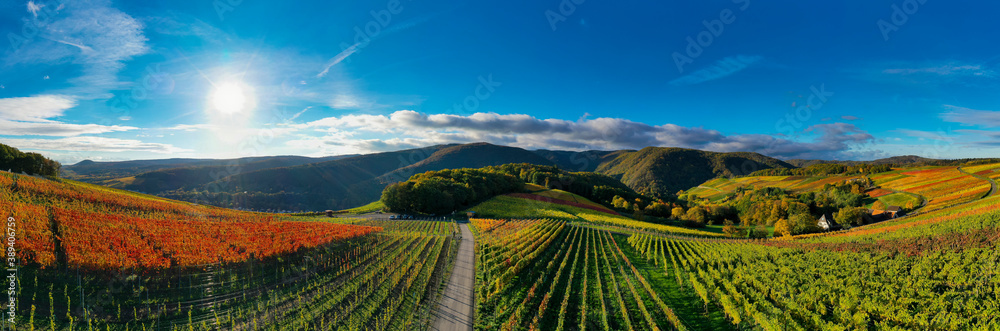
(33, 116)
(720, 69)
(57, 129)
(35, 109)
(33, 8)
(92, 144)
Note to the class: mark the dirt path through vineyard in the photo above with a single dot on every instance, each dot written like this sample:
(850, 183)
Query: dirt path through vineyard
(457, 307)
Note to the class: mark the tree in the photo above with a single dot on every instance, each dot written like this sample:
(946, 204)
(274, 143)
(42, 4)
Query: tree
(658, 209)
(851, 215)
(782, 228)
(696, 214)
(729, 229)
(879, 205)
(758, 231)
(677, 213)
(619, 202)
(802, 223)
(856, 189)
(637, 214)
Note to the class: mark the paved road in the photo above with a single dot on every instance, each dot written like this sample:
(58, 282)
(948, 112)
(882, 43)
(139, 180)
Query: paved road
(457, 307)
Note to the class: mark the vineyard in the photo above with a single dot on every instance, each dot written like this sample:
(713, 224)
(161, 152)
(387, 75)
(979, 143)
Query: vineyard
(549, 275)
(991, 171)
(937, 270)
(942, 187)
(720, 187)
(95, 258)
(509, 207)
(100, 259)
(543, 274)
(815, 289)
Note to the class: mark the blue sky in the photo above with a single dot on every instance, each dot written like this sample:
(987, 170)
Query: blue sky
(114, 80)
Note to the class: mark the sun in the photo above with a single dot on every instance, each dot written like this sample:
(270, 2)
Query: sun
(229, 98)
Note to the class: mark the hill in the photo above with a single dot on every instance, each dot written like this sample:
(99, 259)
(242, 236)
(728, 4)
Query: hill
(579, 161)
(661, 171)
(476, 155)
(299, 183)
(158, 176)
(347, 182)
(898, 161)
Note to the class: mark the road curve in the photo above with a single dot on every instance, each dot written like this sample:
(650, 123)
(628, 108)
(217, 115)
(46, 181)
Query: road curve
(993, 183)
(457, 307)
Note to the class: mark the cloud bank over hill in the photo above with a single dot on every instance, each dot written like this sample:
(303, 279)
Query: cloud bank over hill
(410, 129)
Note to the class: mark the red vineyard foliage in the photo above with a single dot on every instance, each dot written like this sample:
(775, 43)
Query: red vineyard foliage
(34, 241)
(111, 241)
(879, 193)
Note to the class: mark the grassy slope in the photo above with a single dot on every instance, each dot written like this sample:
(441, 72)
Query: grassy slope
(899, 199)
(369, 208)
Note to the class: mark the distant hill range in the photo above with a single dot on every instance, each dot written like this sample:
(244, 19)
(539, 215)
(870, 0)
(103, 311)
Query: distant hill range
(339, 182)
(301, 183)
(903, 161)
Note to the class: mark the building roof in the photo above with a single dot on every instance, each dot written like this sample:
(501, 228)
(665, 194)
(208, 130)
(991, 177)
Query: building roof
(828, 219)
(893, 208)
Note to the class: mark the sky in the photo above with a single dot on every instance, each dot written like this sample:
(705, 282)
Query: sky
(860, 80)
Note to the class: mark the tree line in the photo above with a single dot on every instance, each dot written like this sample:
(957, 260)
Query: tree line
(16, 161)
(446, 191)
(825, 169)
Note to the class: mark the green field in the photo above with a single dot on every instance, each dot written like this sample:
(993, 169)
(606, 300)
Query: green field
(900, 199)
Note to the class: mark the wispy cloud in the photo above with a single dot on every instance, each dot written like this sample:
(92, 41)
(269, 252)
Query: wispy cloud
(91, 34)
(850, 118)
(944, 70)
(347, 101)
(720, 69)
(338, 58)
(180, 24)
(299, 113)
(931, 135)
(350, 50)
(191, 127)
(972, 117)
